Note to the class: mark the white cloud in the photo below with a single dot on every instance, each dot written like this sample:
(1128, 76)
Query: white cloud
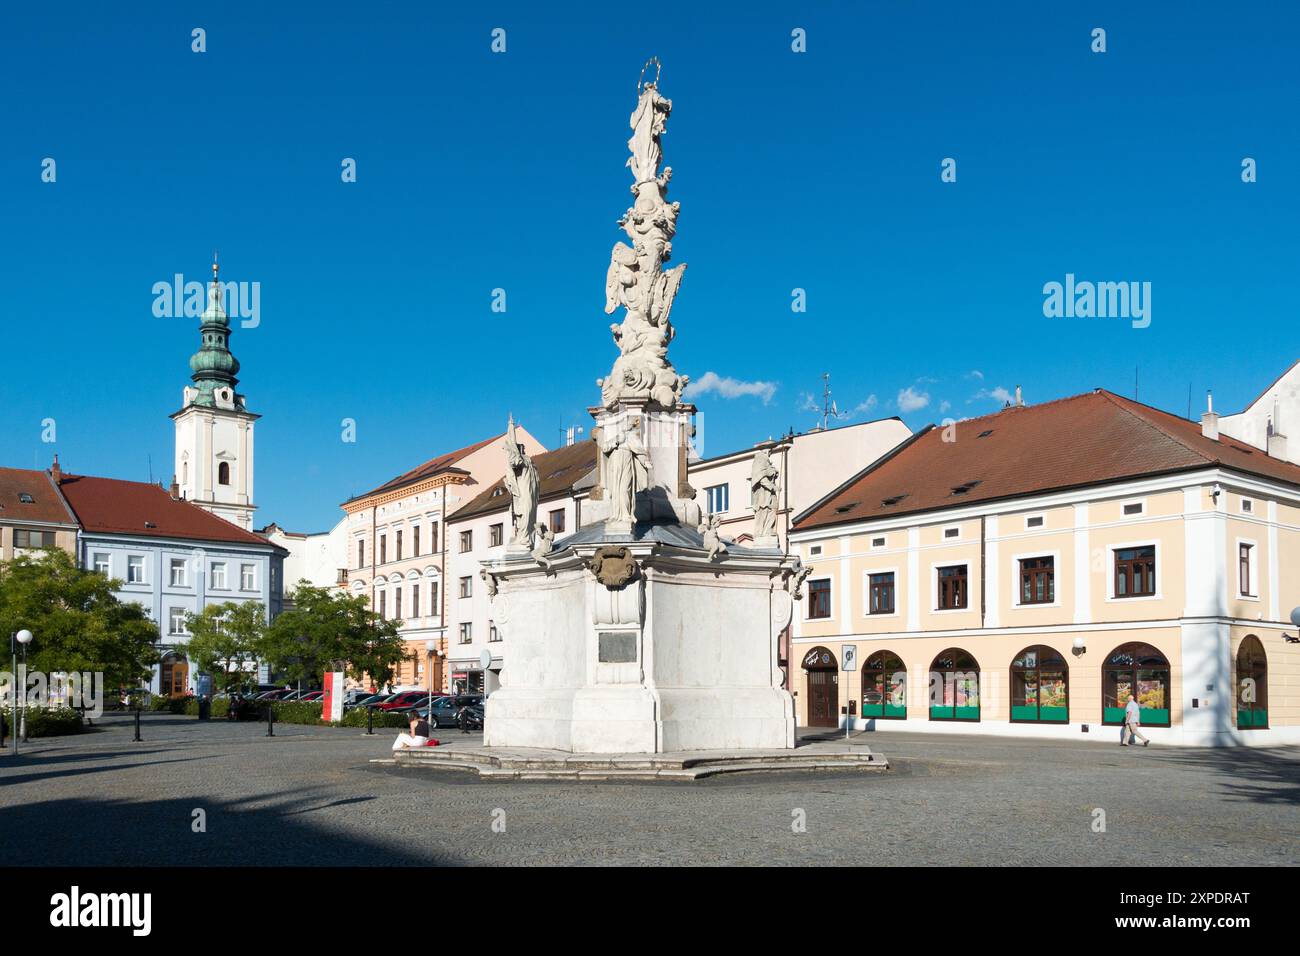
(997, 393)
(944, 406)
(910, 400)
(975, 374)
(726, 387)
(807, 403)
(866, 405)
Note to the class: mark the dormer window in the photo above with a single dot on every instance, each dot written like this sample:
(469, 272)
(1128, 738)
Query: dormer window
(26, 499)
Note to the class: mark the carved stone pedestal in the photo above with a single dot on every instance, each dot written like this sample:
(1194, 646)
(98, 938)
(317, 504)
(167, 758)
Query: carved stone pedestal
(637, 643)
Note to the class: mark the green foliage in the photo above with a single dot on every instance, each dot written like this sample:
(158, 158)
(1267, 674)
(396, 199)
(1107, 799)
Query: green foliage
(225, 640)
(327, 628)
(356, 717)
(296, 712)
(42, 722)
(77, 621)
(172, 705)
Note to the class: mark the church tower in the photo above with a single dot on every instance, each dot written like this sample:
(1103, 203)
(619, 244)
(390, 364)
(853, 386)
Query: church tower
(214, 429)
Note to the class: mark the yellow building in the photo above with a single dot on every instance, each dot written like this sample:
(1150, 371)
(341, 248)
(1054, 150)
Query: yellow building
(1024, 572)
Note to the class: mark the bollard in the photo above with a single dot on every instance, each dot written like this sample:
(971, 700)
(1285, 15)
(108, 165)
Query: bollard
(370, 721)
(137, 726)
(270, 719)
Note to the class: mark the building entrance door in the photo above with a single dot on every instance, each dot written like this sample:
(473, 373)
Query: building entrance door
(823, 688)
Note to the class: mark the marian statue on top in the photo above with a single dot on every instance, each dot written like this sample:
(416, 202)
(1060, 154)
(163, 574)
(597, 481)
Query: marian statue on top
(636, 279)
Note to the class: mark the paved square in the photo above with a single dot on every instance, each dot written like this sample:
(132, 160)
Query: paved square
(312, 796)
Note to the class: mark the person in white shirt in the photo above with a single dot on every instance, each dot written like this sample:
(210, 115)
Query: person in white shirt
(418, 737)
(1132, 720)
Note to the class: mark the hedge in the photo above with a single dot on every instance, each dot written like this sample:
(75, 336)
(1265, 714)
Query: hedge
(54, 722)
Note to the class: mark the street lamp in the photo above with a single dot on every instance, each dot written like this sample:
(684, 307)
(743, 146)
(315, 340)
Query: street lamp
(24, 638)
(431, 648)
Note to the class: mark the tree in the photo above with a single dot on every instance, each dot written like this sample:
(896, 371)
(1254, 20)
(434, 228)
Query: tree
(78, 622)
(327, 627)
(225, 639)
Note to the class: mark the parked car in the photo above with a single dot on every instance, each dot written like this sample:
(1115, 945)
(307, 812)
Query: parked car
(405, 700)
(278, 694)
(446, 709)
(311, 697)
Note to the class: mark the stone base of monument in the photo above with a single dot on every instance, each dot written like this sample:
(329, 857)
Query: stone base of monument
(532, 763)
(637, 641)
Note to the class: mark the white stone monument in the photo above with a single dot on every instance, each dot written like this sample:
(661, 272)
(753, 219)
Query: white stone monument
(634, 634)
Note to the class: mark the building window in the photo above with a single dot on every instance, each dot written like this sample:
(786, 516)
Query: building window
(433, 538)
(1252, 685)
(819, 599)
(1133, 508)
(815, 550)
(955, 686)
(1135, 670)
(878, 542)
(557, 521)
(1040, 686)
(1245, 563)
(952, 587)
(399, 545)
(101, 564)
(415, 541)
(1037, 580)
(466, 632)
(1135, 572)
(1247, 506)
(247, 577)
(219, 575)
(884, 687)
(176, 621)
(433, 600)
(135, 569)
(397, 602)
(383, 605)
(496, 535)
(493, 634)
(33, 539)
(1034, 521)
(952, 533)
(178, 572)
(223, 473)
(361, 554)
(383, 549)
(466, 541)
(466, 587)
(881, 590)
(718, 498)
(415, 600)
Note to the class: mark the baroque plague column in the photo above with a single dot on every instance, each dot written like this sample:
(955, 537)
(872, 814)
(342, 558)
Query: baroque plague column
(641, 632)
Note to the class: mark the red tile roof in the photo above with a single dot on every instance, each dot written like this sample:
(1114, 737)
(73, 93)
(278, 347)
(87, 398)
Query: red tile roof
(434, 466)
(556, 472)
(1089, 439)
(46, 505)
(113, 506)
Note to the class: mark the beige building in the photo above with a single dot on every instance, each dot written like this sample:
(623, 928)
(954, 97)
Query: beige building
(33, 515)
(1024, 572)
(396, 547)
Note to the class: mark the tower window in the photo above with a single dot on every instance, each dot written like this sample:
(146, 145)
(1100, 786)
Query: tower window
(223, 473)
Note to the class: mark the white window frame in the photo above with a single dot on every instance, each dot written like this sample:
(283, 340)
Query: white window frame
(173, 565)
(465, 587)
(1141, 513)
(143, 565)
(1057, 578)
(884, 542)
(107, 561)
(814, 550)
(1255, 567)
(1110, 572)
(213, 573)
(1039, 527)
(726, 494)
(172, 628)
(465, 632)
(1246, 505)
(252, 577)
(934, 587)
(945, 536)
(866, 594)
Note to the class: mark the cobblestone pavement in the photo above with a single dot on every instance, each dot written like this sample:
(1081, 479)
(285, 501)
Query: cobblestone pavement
(311, 796)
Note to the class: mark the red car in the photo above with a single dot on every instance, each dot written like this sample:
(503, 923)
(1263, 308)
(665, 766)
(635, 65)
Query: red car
(406, 699)
(311, 698)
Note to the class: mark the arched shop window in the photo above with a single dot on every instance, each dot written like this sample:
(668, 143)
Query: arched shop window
(1040, 686)
(1252, 685)
(955, 686)
(1137, 669)
(823, 679)
(884, 687)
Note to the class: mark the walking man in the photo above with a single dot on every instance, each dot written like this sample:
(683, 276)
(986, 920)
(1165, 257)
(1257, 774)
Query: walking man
(1132, 720)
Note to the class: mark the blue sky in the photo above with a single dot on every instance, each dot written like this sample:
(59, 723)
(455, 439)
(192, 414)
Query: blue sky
(476, 171)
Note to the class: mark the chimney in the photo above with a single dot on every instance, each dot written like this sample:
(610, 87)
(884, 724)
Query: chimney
(1210, 421)
(56, 473)
(175, 489)
(1276, 439)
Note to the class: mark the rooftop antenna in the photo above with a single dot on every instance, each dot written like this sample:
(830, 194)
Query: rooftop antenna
(151, 469)
(829, 409)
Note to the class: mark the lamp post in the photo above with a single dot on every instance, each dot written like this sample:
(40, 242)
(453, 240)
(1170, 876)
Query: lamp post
(430, 648)
(24, 638)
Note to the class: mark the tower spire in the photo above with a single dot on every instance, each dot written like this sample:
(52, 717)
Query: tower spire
(214, 367)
